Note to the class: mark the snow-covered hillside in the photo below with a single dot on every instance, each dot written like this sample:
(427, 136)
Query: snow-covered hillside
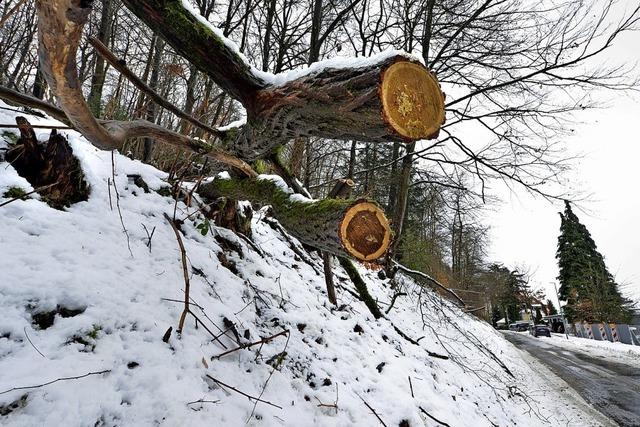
(83, 321)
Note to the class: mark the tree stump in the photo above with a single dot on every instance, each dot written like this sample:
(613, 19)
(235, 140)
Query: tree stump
(51, 167)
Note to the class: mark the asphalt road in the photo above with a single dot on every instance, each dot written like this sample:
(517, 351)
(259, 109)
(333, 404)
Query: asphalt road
(612, 388)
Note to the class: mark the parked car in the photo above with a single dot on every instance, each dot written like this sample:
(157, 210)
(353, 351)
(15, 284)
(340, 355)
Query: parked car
(538, 330)
(519, 326)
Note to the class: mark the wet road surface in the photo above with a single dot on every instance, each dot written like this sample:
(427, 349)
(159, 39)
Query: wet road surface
(612, 388)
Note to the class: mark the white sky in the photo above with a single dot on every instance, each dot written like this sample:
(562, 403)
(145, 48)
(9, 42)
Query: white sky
(525, 229)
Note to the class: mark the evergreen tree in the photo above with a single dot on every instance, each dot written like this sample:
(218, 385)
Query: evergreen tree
(551, 309)
(538, 318)
(585, 282)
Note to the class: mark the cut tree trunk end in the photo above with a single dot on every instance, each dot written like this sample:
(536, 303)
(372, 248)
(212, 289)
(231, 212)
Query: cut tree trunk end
(412, 101)
(365, 231)
(341, 227)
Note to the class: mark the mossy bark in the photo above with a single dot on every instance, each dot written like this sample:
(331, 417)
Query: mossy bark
(198, 43)
(361, 287)
(315, 223)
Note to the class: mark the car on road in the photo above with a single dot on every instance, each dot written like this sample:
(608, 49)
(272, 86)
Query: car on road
(538, 330)
(519, 326)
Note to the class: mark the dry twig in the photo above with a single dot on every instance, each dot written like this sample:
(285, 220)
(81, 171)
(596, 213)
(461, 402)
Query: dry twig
(185, 273)
(115, 188)
(55, 381)
(372, 410)
(248, 396)
(249, 345)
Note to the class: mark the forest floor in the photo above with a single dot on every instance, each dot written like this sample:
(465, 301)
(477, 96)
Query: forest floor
(86, 311)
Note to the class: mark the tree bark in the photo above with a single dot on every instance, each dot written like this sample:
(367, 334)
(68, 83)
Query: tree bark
(392, 100)
(341, 227)
(328, 277)
(361, 287)
(100, 70)
(401, 203)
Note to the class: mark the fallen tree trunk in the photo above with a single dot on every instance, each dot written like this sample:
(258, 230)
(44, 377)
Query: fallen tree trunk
(356, 228)
(393, 98)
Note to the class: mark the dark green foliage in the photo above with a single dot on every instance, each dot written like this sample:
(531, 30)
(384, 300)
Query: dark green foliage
(10, 137)
(538, 318)
(585, 282)
(509, 292)
(204, 227)
(551, 309)
(164, 191)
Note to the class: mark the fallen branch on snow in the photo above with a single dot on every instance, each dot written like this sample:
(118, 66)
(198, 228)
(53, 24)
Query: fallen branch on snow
(55, 381)
(430, 280)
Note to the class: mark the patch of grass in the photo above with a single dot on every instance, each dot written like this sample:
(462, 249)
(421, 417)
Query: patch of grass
(93, 333)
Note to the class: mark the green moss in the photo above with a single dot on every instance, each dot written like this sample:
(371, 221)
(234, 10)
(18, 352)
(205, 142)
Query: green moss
(361, 286)
(260, 166)
(15, 193)
(193, 32)
(201, 145)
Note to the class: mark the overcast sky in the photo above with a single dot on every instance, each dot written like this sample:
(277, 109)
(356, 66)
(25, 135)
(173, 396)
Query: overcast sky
(524, 230)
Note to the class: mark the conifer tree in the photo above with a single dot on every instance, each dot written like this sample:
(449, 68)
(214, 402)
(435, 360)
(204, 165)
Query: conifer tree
(551, 309)
(586, 285)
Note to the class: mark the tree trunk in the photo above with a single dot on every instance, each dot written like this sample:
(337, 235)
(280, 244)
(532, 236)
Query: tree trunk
(393, 185)
(328, 277)
(394, 99)
(361, 287)
(190, 99)
(316, 22)
(100, 70)
(356, 228)
(266, 44)
(297, 155)
(151, 106)
(352, 160)
(401, 202)
(39, 85)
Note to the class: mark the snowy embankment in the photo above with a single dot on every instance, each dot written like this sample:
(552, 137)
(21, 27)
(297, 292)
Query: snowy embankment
(83, 321)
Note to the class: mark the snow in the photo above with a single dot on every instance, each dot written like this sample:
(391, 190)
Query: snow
(280, 184)
(338, 62)
(78, 259)
(234, 124)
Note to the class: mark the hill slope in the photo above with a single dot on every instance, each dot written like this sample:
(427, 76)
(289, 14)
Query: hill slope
(79, 308)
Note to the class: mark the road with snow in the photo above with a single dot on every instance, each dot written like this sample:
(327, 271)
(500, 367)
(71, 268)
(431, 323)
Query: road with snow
(611, 387)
